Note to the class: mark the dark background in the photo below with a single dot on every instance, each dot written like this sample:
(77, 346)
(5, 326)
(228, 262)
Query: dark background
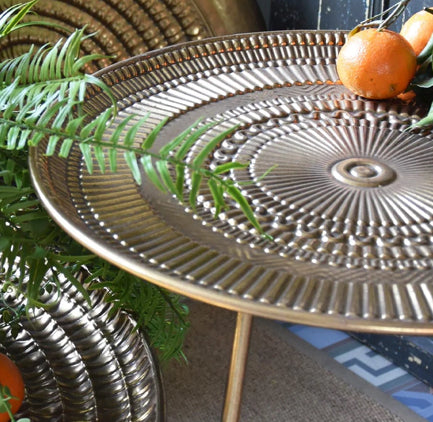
(328, 14)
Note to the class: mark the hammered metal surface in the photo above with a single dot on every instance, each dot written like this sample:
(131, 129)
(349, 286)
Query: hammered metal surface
(82, 362)
(129, 27)
(349, 203)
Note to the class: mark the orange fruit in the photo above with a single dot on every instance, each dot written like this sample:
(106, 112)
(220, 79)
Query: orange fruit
(10, 377)
(376, 64)
(418, 29)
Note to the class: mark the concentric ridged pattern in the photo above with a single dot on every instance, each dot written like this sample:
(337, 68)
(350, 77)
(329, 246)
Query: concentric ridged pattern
(342, 255)
(81, 362)
(314, 215)
(122, 28)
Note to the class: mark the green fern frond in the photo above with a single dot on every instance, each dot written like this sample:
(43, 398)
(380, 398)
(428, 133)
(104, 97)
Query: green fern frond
(166, 168)
(49, 74)
(47, 102)
(35, 252)
(42, 96)
(11, 18)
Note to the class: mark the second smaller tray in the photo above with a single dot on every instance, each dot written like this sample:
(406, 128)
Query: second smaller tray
(81, 362)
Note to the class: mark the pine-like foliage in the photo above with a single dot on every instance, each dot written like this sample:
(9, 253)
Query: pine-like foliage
(41, 94)
(41, 97)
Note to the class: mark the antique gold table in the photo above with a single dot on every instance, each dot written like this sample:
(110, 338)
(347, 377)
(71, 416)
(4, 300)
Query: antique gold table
(349, 203)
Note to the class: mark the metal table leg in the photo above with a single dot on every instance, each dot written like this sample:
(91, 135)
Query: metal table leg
(238, 363)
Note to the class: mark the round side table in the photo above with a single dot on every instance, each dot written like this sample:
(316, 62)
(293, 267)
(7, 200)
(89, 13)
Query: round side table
(348, 202)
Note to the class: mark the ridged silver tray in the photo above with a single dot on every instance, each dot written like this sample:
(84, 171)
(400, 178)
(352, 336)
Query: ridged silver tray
(83, 362)
(125, 28)
(349, 204)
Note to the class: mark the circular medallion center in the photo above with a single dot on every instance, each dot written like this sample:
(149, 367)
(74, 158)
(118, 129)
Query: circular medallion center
(363, 172)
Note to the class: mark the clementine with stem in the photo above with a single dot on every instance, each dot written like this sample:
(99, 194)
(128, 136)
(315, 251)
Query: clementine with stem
(376, 63)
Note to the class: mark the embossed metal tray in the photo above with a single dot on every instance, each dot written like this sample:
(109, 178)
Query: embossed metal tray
(122, 29)
(81, 361)
(349, 204)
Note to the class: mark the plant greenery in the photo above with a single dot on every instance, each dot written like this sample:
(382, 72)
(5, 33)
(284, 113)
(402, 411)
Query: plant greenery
(5, 406)
(42, 96)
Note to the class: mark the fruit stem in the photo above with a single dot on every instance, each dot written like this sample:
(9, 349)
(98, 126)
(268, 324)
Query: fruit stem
(399, 8)
(379, 22)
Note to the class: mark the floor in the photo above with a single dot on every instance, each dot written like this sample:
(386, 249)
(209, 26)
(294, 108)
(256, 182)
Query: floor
(287, 378)
(371, 367)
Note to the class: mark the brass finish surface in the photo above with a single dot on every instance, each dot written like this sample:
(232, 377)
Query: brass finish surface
(230, 17)
(130, 27)
(241, 341)
(81, 361)
(343, 255)
(363, 172)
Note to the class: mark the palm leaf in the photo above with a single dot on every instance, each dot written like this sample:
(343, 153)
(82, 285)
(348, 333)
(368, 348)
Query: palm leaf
(192, 139)
(131, 160)
(86, 150)
(150, 139)
(233, 165)
(217, 192)
(11, 17)
(162, 166)
(56, 119)
(196, 179)
(42, 97)
(180, 177)
(178, 140)
(204, 153)
(36, 75)
(149, 169)
(236, 194)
